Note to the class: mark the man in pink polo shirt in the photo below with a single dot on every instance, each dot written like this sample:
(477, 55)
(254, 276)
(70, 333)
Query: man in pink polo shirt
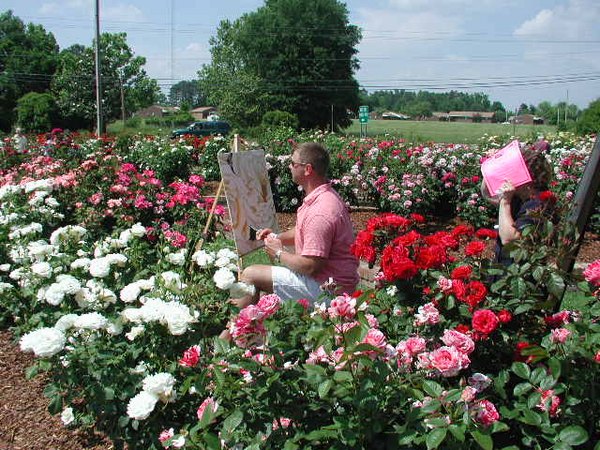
(321, 238)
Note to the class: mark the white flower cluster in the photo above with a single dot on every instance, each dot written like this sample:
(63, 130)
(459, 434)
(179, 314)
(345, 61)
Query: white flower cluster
(160, 386)
(93, 321)
(175, 315)
(178, 258)
(224, 277)
(69, 233)
(55, 293)
(100, 267)
(43, 342)
(18, 232)
(132, 291)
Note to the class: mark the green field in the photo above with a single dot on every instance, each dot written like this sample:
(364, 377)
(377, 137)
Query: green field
(456, 132)
(412, 131)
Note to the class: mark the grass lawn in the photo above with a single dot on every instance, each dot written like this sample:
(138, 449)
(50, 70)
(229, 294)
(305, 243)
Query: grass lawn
(455, 132)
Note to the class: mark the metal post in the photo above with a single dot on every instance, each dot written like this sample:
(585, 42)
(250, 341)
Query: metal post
(98, 80)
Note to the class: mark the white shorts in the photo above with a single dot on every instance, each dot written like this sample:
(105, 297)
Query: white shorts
(290, 285)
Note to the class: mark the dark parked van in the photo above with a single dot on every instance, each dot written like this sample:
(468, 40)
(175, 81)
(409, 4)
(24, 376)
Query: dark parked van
(207, 128)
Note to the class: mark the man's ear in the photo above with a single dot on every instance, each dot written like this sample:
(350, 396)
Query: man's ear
(308, 169)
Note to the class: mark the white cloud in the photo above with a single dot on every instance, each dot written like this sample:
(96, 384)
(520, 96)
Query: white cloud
(49, 8)
(122, 12)
(577, 19)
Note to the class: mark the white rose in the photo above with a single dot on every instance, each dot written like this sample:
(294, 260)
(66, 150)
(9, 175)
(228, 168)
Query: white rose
(43, 342)
(55, 294)
(5, 287)
(91, 321)
(177, 259)
(173, 281)
(135, 332)
(67, 416)
(227, 253)
(99, 267)
(132, 315)
(224, 278)
(161, 385)
(241, 289)
(115, 328)
(138, 230)
(42, 269)
(146, 285)
(222, 261)
(130, 293)
(140, 406)
(66, 322)
(116, 258)
(4, 267)
(81, 263)
(125, 237)
(69, 284)
(203, 259)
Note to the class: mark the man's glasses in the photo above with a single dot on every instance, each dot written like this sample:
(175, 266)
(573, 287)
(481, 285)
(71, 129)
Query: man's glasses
(295, 164)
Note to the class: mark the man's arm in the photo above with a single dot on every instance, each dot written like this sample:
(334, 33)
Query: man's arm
(306, 265)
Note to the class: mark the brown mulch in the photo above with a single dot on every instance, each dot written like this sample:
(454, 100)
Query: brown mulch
(25, 423)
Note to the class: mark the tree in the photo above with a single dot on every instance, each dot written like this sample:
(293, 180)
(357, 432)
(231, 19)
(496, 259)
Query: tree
(589, 121)
(290, 55)
(123, 77)
(186, 91)
(36, 113)
(28, 60)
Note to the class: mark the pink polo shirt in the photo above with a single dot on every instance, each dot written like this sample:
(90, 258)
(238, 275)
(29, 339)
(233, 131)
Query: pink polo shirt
(324, 229)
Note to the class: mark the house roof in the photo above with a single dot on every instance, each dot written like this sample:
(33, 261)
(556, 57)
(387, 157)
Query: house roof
(203, 109)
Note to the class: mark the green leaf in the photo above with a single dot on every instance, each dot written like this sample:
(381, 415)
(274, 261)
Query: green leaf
(531, 418)
(321, 434)
(522, 388)
(324, 388)
(538, 375)
(232, 422)
(458, 431)
(56, 405)
(521, 370)
(109, 394)
(435, 437)
(432, 388)
(518, 287)
(555, 367)
(342, 376)
(484, 440)
(31, 372)
(573, 435)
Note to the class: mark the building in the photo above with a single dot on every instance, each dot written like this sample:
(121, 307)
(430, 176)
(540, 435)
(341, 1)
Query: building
(526, 119)
(202, 112)
(464, 116)
(389, 115)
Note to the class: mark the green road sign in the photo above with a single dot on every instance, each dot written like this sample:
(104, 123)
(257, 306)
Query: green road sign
(363, 114)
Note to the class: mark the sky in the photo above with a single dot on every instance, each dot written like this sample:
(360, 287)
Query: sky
(515, 51)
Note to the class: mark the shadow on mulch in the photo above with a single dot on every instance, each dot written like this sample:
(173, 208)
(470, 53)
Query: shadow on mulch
(25, 423)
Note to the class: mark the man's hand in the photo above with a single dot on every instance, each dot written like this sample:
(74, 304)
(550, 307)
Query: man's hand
(507, 191)
(272, 245)
(263, 233)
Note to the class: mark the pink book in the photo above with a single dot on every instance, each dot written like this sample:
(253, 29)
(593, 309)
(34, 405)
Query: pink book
(506, 164)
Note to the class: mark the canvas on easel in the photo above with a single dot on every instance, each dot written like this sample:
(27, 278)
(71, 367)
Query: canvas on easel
(249, 198)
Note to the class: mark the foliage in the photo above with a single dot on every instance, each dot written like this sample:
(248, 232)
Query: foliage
(589, 122)
(280, 119)
(251, 55)
(186, 92)
(74, 84)
(36, 113)
(29, 60)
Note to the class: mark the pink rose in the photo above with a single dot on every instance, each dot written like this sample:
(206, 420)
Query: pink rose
(318, 356)
(269, 304)
(448, 361)
(342, 306)
(373, 322)
(459, 340)
(190, 357)
(597, 356)
(479, 381)
(207, 403)
(165, 435)
(427, 315)
(415, 345)
(304, 303)
(282, 422)
(549, 402)
(486, 413)
(468, 394)
(559, 335)
(592, 273)
(560, 318)
(444, 284)
(375, 338)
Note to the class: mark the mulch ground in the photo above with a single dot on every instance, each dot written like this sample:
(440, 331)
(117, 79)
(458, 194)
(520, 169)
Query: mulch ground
(25, 423)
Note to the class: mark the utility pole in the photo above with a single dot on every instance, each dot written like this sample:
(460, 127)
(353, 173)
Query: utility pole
(122, 100)
(332, 118)
(567, 107)
(99, 128)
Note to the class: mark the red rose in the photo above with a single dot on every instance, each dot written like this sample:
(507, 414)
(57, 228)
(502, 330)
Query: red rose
(462, 328)
(461, 230)
(458, 288)
(519, 352)
(548, 196)
(484, 321)
(418, 218)
(475, 292)
(396, 264)
(461, 273)
(407, 239)
(486, 233)
(442, 238)
(431, 257)
(504, 316)
(474, 248)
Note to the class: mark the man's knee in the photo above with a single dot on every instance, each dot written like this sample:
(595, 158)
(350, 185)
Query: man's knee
(258, 275)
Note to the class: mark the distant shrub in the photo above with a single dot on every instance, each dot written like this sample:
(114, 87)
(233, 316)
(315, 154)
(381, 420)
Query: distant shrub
(36, 112)
(279, 118)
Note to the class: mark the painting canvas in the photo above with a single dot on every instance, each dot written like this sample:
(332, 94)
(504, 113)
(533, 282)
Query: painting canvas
(249, 196)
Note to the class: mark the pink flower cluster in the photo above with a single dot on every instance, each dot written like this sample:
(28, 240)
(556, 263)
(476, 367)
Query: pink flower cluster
(549, 402)
(592, 273)
(248, 329)
(190, 357)
(343, 307)
(209, 403)
(448, 360)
